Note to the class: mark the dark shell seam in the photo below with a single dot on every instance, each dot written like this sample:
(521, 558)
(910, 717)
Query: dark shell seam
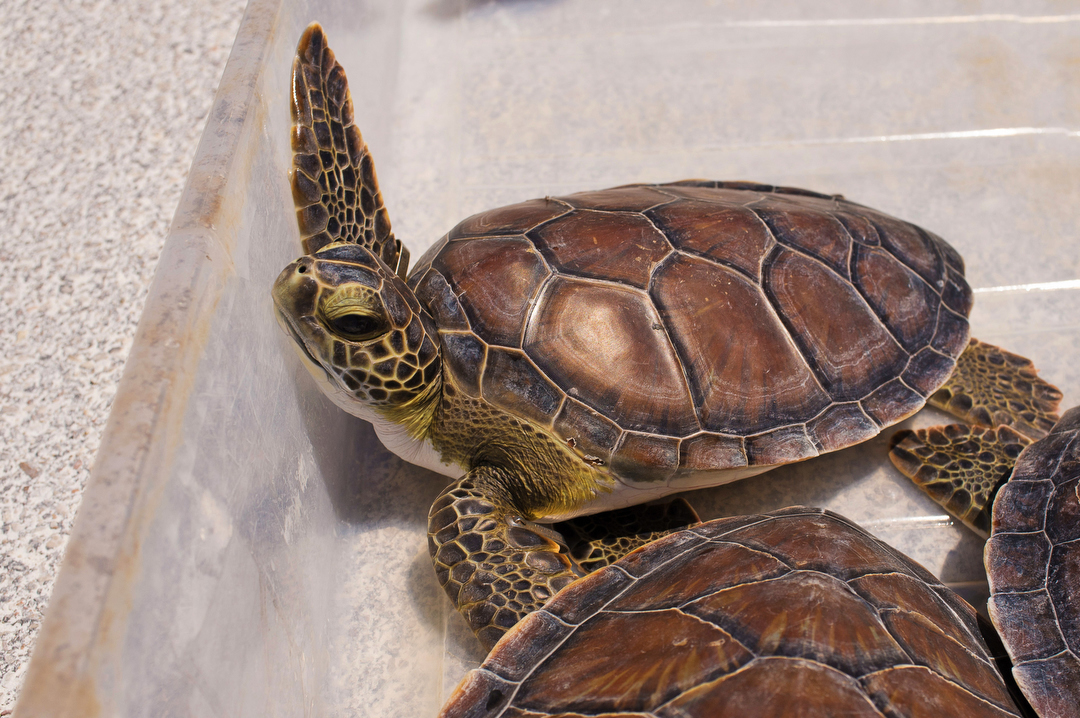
(940, 635)
(803, 251)
(865, 678)
(932, 242)
(694, 254)
(789, 331)
(881, 319)
(667, 335)
(555, 646)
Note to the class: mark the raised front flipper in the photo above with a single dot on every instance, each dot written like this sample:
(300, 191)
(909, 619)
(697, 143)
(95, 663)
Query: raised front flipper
(602, 539)
(993, 387)
(333, 177)
(961, 467)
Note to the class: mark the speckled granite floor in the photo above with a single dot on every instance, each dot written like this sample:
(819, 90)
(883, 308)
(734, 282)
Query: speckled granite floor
(101, 107)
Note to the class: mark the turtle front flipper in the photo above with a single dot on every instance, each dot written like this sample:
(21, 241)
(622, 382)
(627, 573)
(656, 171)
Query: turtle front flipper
(961, 467)
(333, 176)
(600, 540)
(991, 387)
(495, 566)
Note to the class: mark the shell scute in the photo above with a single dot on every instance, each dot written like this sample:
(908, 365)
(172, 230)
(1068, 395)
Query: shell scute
(811, 542)
(592, 435)
(861, 230)
(706, 451)
(903, 592)
(927, 370)
(510, 379)
(768, 688)
(794, 615)
(956, 294)
(946, 656)
(892, 402)
(951, 335)
(673, 652)
(634, 198)
(464, 358)
(1051, 683)
(780, 446)
(716, 566)
(840, 425)
(526, 647)
(924, 693)
(495, 280)
(899, 296)
(513, 219)
(1024, 503)
(616, 247)
(1065, 508)
(603, 344)
(731, 235)
(712, 195)
(580, 600)
(912, 246)
(740, 385)
(659, 553)
(816, 233)
(646, 458)
(435, 293)
(1034, 610)
(845, 344)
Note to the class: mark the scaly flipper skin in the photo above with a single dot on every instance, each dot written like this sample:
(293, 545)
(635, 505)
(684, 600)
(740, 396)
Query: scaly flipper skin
(992, 387)
(494, 567)
(961, 467)
(602, 539)
(333, 177)
(497, 567)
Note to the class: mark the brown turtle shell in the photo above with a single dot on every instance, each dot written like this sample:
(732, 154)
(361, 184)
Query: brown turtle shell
(1033, 565)
(795, 612)
(666, 329)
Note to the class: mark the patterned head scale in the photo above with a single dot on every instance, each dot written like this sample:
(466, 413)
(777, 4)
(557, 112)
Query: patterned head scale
(358, 325)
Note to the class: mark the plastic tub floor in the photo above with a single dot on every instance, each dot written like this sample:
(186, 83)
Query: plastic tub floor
(245, 549)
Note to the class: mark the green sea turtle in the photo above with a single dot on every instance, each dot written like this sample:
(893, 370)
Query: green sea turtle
(1027, 495)
(595, 352)
(796, 612)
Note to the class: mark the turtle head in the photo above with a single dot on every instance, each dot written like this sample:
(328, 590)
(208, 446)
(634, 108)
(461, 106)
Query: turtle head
(362, 333)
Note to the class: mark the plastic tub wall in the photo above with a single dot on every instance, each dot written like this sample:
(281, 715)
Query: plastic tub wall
(245, 549)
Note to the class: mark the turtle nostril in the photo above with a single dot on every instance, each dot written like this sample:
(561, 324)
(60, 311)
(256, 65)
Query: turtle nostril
(302, 269)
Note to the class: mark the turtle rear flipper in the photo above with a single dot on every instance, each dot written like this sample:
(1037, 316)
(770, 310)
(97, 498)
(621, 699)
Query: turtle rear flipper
(961, 467)
(333, 176)
(991, 386)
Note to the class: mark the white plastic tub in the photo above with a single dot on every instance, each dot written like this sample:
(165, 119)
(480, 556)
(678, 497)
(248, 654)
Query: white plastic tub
(245, 549)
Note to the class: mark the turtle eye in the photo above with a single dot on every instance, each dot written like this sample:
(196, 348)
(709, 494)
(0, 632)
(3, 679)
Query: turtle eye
(356, 326)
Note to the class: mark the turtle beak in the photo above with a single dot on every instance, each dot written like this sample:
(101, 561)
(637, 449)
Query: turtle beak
(301, 345)
(295, 292)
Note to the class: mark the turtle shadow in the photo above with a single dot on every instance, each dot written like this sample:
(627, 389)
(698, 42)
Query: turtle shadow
(462, 649)
(815, 483)
(963, 572)
(366, 483)
(371, 488)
